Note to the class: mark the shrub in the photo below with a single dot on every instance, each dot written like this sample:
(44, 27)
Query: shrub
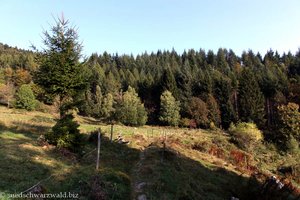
(25, 98)
(288, 123)
(246, 135)
(187, 123)
(240, 158)
(292, 146)
(184, 122)
(65, 133)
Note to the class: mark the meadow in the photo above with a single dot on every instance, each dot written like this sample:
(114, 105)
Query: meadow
(156, 163)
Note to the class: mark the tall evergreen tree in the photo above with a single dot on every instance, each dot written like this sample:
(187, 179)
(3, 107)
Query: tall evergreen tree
(223, 92)
(60, 72)
(168, 82)
(251, 99)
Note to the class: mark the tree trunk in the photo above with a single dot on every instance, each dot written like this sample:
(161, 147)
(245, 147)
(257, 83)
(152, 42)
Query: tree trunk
(111, 132)
(236, 104)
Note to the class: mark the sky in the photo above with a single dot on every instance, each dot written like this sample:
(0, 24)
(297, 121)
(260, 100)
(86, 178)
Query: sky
(136, 26)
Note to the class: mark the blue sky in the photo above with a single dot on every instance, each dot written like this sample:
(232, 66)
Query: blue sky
(136, 26)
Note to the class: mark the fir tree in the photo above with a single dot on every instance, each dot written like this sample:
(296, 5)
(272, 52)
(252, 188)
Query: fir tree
(60, 72)
(251, 99)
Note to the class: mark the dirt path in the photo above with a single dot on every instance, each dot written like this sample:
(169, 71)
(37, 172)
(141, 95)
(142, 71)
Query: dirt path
(138, 185)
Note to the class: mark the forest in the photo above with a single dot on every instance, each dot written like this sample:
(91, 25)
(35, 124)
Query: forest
(193, 125)
(195, 89)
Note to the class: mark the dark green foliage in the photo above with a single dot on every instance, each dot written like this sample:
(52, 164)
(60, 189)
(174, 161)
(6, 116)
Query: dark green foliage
(251, 99)
(65, 133)
(223, 91)
(93, 102)
(60, 72)
(193, 73)
(25, 98)
(168, 82)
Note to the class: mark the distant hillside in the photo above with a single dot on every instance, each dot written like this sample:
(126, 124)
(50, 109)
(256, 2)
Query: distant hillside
(16, 58)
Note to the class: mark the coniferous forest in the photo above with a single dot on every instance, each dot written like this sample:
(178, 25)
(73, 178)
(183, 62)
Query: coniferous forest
(210, 89)
(244, 110)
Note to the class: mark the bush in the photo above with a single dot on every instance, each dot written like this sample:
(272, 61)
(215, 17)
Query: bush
(65, 133)
(288, 124)
(292, 146)
(245, 135)
(25, 98)
(184, 122)
(187, 123)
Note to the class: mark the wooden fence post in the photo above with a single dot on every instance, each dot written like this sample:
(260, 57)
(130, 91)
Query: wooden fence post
(98, 149)
(111, 131)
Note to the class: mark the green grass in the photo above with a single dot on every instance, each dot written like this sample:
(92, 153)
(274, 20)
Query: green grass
(180, 172)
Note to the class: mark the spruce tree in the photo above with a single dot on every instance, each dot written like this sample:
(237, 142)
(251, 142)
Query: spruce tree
(251, 99)
(168, 82)
(223, 93)
(60, 72)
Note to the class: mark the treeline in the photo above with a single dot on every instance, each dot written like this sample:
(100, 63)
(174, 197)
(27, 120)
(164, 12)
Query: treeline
(228, 88)
(209, 89)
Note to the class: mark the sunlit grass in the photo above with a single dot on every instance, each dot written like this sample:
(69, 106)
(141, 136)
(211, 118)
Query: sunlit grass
(23, 162)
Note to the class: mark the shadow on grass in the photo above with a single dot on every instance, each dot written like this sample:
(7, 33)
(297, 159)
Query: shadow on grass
(18, 169)
(31, 131)
(170, 175)
(166, 174)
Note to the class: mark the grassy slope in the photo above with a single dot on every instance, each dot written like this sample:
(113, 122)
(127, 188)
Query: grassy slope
(142, 167)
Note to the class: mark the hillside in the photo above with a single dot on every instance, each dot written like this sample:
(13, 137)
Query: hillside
(159, 163)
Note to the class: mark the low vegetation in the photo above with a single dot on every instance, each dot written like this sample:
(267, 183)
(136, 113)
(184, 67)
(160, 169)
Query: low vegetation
(247, 108)
(246, 135)
(160, 163)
